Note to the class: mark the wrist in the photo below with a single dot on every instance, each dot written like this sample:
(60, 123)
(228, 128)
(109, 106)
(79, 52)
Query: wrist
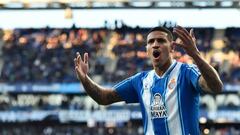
(195, 55)
(198, 59)
(83, 79)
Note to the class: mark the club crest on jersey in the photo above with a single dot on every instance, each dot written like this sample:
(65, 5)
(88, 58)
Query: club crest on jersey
(172, 84)
(158, 109)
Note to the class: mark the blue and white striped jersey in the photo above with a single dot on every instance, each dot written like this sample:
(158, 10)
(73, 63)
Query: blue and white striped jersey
(170, 103)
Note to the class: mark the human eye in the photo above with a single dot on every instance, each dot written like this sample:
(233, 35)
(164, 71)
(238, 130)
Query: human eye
(150, 41)
(161, 40)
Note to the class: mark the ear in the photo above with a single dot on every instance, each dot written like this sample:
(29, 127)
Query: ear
(146, 49)
(172, 47)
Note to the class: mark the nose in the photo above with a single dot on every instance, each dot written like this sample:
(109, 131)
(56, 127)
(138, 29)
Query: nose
(156, 45)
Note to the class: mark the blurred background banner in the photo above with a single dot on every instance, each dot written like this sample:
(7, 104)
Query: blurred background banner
(94, 18)
(54, 88)
(40, 94)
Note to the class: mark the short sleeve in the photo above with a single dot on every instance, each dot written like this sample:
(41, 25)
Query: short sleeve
(194, 75)
(127, 91)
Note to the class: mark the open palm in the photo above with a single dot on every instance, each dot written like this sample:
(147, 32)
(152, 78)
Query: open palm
(187, 40)
(81, 66)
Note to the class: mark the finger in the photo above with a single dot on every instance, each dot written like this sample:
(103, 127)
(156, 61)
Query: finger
(77, 72)
(185, 35)
(182, 29)
(178, 44)
(77, 54)
(79, 58)
(86, 58)
(192, 34)
(179, 41)
(76, 65)
(173, 46)
(184, 40)
(75, 62)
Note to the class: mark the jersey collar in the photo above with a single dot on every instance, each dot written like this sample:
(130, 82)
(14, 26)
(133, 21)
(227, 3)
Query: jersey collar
(174, 63)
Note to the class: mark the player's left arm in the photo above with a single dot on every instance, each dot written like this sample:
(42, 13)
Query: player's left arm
(209, 80)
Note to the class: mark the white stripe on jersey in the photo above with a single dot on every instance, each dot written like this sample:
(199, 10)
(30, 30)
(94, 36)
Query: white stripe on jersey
(171, 100)
(146, 96)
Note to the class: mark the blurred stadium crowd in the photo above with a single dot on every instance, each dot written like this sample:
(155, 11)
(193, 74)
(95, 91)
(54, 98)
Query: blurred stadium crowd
(46, 55)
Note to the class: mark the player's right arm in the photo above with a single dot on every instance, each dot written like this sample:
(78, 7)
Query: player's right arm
(103, 96)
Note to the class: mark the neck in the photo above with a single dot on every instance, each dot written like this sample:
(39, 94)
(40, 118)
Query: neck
(161, 69)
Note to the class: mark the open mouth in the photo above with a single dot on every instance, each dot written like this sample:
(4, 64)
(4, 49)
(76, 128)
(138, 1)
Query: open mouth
(156, 53)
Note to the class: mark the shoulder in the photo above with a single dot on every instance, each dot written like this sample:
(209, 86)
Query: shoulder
(188, 67)
(140, 75)
(190, 72)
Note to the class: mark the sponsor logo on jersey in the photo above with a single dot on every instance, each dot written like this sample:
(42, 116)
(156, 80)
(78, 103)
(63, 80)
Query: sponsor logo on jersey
(158, 110)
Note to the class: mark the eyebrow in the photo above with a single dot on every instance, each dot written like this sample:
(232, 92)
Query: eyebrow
(161, 38)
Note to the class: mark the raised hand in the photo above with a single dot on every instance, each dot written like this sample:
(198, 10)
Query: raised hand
(102, 95)
(81, 66)
(186, 40)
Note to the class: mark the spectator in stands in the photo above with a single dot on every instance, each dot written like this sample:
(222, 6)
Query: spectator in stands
(30, 55)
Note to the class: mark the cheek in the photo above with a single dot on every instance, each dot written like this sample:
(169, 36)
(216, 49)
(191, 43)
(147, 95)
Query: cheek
(167, 49)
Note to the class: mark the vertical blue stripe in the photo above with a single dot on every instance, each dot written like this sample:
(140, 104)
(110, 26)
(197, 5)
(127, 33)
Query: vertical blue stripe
(144, 116)
(146, 97)
(179, 104)
(194, 71)
(189, 101)
(160, 123)
(146, 120)
(144, 112)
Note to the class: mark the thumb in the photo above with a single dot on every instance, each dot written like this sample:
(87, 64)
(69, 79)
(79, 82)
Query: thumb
(173, 46)
(174, 43)
(86, 58)
(77, 73)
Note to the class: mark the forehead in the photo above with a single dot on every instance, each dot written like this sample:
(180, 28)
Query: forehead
(157, 34)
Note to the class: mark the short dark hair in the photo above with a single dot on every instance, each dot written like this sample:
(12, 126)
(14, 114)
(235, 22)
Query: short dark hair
(162, 29)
